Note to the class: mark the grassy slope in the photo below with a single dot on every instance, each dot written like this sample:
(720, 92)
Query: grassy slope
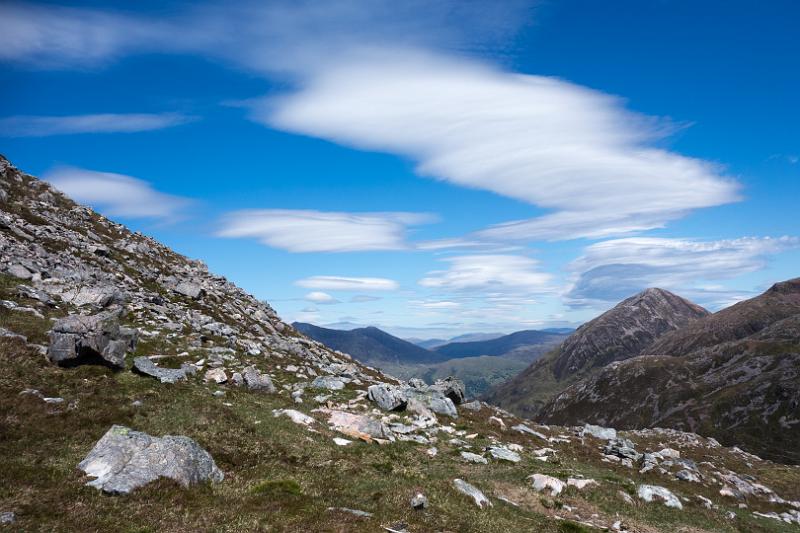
(279, 476)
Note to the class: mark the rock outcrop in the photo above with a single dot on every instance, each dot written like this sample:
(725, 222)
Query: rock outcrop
(77, 338)
(124, 460)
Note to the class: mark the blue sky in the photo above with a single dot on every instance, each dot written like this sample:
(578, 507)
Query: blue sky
(430, 168)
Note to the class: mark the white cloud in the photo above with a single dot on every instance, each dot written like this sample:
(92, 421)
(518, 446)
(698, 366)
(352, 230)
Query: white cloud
(565, 148)
(116, 194)
(41, 126)
(321, 231)
(280, 36)
(495, 273)
(320, 297)
(612, 270)
(341, 283)
(361, 80)
(362, 298)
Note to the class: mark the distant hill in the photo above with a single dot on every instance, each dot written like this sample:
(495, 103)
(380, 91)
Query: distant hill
(497, 346)
(370, 345)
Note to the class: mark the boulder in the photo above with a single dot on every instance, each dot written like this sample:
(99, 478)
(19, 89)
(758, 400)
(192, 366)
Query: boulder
(599, 432)
(388, 397)
(189, 289)
(359, 426)
(504, 454)
(78, 338)
(451, 387)
(474, 458)
(328, 382)
(419, 501)
(295, 416)
(144, 365)
(217, 375)
(543, 482)
(123, 460)
(257, 381)
(477, 496)
(650, 493)
(19, 271)
(581, 484)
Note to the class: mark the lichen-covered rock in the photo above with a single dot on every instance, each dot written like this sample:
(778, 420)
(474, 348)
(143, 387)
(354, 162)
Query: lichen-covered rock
(388, 397)
(328, 382)
(217, 375)
(452, 388)
(257, 381)
(145, 365)
(76, 337)
(360, 426)
(124, 460)
(599, 432)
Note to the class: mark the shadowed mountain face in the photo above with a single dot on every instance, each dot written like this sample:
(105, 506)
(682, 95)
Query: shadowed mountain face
(624, 331)
(370, 345)
(497, 346)
(734, 375)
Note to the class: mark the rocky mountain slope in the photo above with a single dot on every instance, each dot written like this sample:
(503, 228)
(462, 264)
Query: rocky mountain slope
(140, 392)
(625, 331)
(370, 345)
(734, 375)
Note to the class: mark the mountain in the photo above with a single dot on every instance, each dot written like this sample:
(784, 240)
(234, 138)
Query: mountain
(622, 332)
(117, 352)
(370, 345)
(427, 343)
(497, 346)
(430, 344)
(733, 375)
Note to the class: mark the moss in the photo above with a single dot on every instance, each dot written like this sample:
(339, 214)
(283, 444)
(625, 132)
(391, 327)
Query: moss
(278, 487)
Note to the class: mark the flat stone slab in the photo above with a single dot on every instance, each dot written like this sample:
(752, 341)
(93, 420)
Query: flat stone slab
(124, 460)
(144, 365)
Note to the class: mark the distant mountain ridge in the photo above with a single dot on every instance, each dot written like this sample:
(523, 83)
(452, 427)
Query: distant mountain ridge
(496, 346)
(370, 345)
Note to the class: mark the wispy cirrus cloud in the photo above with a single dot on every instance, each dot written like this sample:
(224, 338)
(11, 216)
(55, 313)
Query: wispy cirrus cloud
(43, 126)
(398, 78)
(611, 270)
(490, 273)
(117, 195)
(343, 283)
(322, 231)
(572, 151)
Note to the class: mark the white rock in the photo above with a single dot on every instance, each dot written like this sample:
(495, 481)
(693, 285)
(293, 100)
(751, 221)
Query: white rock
(296, 416)
(474, 458)
(581, 484)
(543, 482)
(651, 493)
(465, 488)
(341, 442)
(599, 432)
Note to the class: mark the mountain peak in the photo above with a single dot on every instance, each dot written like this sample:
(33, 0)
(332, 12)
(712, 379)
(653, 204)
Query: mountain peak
(625, 330)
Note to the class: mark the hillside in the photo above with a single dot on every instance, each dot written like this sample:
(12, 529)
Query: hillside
(734, 375)
(625, 331)
(370, 345)
(140, 392)
(499, 345)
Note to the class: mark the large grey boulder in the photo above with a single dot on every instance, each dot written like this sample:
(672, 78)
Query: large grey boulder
(599, 432)
(257, 381)
(145, 366)
(328, 382)
(359, 426)
(189, 289)
(388, 397)
(452, 388)
(418, 397)
(76, 337)
(124, 460)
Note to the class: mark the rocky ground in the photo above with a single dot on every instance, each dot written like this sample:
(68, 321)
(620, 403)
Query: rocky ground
(139, 392)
